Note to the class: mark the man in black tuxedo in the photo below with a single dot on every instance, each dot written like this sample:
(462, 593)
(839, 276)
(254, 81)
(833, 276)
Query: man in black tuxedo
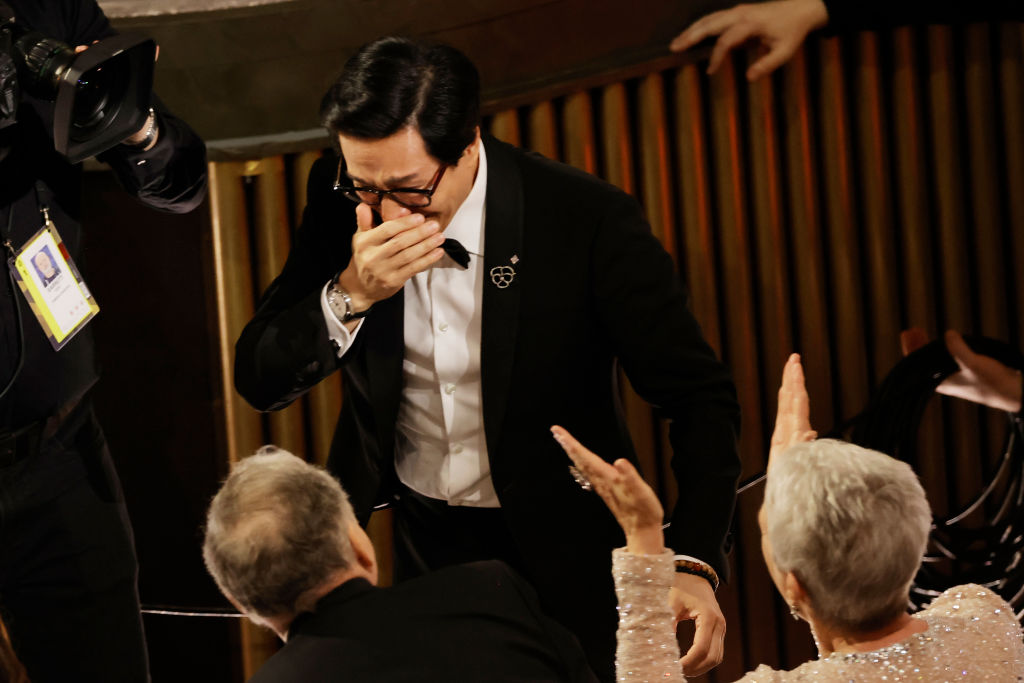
(473, 296)
(284, 545)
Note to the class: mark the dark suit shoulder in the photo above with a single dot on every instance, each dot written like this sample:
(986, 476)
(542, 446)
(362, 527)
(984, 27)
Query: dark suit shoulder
(488, 584)
(475, 622)
(549, 180)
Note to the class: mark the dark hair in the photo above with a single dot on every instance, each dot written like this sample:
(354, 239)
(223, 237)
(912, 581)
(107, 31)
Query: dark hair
(393, 82)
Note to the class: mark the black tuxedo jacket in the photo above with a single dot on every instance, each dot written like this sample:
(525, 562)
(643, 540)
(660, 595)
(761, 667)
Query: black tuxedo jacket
(592, 287)
(467, 623)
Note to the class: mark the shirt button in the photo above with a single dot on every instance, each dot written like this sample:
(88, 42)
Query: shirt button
(443, 327)
(457, 448)
(449, 388)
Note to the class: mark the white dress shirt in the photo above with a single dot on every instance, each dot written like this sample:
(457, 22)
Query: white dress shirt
(440, 449)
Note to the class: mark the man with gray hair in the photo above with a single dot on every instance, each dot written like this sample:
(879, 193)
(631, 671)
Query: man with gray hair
(284, 546)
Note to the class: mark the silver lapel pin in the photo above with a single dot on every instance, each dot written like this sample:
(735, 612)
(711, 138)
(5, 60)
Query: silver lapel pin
(502, 276)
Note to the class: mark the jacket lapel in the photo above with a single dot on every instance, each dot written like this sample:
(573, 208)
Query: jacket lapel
(503, 257)
(385, 349)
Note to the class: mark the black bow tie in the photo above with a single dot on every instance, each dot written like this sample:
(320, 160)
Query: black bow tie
(456, 251)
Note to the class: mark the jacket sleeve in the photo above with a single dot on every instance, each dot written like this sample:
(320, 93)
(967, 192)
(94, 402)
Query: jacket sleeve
(171, 176)
(285, 349)
(663, 353)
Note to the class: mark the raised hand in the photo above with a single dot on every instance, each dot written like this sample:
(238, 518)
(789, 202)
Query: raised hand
(635, 505)
(639, 513)
(779, 27)
(793, 416)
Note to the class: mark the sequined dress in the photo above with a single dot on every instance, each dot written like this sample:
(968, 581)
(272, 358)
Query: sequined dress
(972, 635)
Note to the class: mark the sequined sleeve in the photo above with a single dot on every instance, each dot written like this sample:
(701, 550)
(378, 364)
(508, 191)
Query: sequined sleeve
(973, 602)
(762, 674)
(976, 620)
(647, 648)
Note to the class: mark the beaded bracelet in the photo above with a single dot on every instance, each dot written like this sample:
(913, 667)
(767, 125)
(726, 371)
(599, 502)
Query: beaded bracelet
(705, 571)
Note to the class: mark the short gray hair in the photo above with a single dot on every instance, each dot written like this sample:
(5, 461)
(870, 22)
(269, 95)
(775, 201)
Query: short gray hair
(277, 528)
(852, 524)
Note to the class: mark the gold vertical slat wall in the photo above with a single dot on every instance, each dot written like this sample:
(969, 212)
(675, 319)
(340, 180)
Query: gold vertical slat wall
(871, 185)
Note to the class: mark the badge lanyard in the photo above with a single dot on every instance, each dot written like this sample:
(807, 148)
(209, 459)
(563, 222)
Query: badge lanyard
(56, 294)
(54, 289)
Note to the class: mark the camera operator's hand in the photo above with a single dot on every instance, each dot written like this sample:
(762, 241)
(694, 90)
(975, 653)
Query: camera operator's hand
(386, 256)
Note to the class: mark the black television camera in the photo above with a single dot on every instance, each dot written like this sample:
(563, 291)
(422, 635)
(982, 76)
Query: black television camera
(100, 96)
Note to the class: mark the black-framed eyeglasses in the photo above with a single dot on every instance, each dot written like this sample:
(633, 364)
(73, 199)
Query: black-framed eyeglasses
(410, 197)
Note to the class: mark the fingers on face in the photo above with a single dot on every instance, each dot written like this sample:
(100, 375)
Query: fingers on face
(364, 217)
(413, 242)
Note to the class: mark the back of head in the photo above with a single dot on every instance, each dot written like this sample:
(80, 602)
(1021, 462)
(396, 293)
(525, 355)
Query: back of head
(852, 524)
(393, 83)
(276, 530)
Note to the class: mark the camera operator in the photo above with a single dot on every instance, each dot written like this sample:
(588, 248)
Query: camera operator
(67, 562)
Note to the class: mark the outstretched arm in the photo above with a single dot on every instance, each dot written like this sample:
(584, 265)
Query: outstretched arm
(647, 648)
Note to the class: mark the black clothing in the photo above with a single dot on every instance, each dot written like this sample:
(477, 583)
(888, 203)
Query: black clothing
(469, 623)
(592, 287)
(846, 15)
(67, 564)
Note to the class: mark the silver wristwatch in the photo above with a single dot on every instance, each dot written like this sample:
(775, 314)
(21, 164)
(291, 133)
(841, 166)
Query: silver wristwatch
(341, 303)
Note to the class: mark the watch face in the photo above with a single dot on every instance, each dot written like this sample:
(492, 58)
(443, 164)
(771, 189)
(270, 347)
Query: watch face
(339, 304)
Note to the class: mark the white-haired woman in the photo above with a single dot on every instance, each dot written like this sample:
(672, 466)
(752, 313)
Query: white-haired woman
(843, 531)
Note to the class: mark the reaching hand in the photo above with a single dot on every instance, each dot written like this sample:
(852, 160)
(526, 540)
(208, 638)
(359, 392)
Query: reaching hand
(635, 505)
(981, 379)
(779, 26)
(639, 513)
(692, 598)
(793, 417)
